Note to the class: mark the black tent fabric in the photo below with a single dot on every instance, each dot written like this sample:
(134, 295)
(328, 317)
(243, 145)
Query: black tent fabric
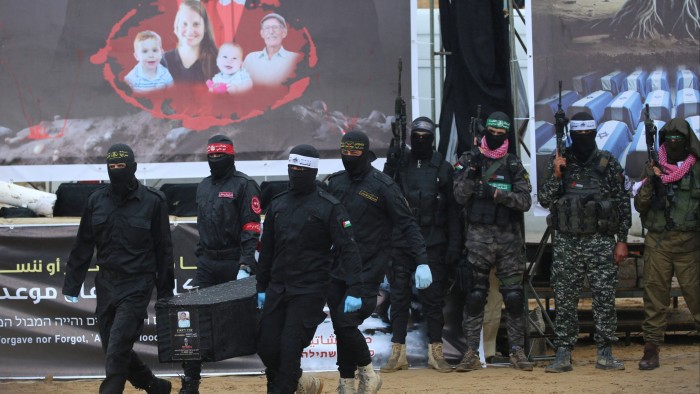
(475, 33)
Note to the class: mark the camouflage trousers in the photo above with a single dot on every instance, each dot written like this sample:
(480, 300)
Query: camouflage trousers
(574, 257)
(509, 261)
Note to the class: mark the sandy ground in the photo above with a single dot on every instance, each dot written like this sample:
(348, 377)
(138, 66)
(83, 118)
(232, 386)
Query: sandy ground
(679, 373)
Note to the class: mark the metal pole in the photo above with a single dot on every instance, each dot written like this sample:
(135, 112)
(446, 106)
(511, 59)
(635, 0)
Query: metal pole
(513, 70)
(432, 61)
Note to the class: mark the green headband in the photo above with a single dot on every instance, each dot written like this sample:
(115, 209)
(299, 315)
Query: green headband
(498, 124)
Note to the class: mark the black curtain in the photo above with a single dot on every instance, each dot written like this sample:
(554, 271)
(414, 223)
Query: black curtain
(475, 32)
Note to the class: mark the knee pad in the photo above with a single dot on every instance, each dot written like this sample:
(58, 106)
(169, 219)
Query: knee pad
(476, 301)
(514, 300)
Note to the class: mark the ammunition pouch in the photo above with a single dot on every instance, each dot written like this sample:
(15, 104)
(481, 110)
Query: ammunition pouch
(574, 215)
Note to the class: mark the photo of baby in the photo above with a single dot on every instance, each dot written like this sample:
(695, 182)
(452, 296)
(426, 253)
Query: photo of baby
(232, 77)
(148, 74)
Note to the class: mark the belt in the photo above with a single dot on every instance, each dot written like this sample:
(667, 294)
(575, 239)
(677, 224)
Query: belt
(222, 254)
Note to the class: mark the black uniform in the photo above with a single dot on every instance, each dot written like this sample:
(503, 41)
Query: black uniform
(134, 253)
(228, 220)
(427, 185)
(302, 233)
(376, 206)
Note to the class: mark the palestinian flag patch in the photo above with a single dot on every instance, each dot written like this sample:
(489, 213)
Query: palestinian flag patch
(346, 224)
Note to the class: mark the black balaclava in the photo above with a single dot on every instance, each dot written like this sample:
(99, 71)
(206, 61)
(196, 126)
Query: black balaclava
(224, 164)
(422, 144)
(123, 180)
(303, 181)
(356, 140)
(497, 120)
(582, 145)
(676, 146)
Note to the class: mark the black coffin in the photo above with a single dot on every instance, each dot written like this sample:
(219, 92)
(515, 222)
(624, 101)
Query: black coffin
(211, 324)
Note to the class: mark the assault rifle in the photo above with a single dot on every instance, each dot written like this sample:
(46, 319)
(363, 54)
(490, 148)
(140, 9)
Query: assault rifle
(476, 132)
(560, 123)
(650, 133)
(476, 127)
(398, 125)
(660, 190)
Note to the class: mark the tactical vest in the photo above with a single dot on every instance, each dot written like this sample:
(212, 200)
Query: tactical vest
(583, 209)
(683, 206)
(421, 186)
(484, 210)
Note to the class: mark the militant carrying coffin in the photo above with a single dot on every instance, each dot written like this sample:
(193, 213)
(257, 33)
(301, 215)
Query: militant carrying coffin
(210, 324)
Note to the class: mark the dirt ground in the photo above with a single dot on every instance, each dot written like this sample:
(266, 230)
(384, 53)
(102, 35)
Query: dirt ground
(679, 373)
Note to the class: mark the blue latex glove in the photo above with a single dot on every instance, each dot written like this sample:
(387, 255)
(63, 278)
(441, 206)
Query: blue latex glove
(352, 304)
(261, 300)
(242, 274)
(70, 299)
(423, 276)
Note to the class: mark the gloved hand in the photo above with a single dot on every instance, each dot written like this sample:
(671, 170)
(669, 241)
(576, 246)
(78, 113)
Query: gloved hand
(452, 257)
(242, 274)
(71, 299)
(261, 300)
(393, 155)
(484, 190)
(352, 304)
(423, 276)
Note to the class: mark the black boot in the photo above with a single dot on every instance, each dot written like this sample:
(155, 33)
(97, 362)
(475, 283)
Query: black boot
(650, 360)
(189, 385)
(159, 386)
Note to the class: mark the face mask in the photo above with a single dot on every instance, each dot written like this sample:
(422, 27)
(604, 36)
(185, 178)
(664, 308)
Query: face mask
(675, 148)
(220, 166)
(355, 165)
(582, 145)
(494, 141)
(122, 180)
(422, 146)
(302, 181)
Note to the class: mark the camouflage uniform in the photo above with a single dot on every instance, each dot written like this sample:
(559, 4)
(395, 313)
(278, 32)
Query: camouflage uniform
(672, 243)
(578, 254)
(496, 244)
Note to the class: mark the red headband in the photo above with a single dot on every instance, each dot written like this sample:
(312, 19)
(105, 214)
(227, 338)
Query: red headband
(219, 147)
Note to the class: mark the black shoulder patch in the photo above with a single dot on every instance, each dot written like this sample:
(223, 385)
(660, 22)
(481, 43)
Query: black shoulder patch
(242, 175)
(157, 192)
(335, 174)
(282, 193)
(382, 177)
(325, 195)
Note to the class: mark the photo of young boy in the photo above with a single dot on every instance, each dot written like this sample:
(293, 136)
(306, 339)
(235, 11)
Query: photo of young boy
(232, 78)
(148, 74)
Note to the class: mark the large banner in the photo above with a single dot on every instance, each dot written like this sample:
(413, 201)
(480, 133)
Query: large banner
(77, 76)
(613, 58)
(41, 334)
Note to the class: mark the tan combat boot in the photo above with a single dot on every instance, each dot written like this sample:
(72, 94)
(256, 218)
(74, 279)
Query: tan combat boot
(370, 381)
(436, 359)
(397, 361)
(309, 385)
(518, 359)
(346, 386)
(470, 362)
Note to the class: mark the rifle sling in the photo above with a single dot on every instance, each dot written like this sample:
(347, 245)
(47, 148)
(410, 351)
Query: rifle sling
(493, 168)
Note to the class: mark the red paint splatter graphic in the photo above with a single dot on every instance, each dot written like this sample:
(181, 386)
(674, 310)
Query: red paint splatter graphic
(192, 102)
